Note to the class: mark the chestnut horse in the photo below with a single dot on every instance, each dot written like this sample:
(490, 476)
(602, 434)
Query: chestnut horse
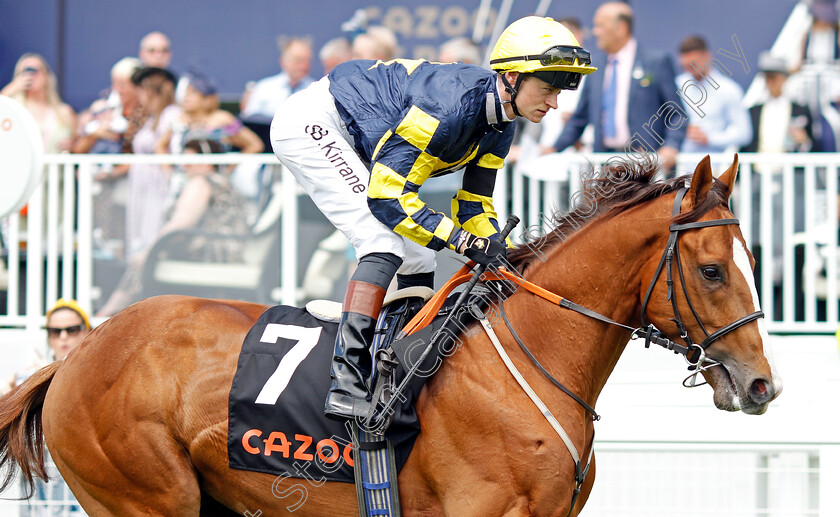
(136, 418)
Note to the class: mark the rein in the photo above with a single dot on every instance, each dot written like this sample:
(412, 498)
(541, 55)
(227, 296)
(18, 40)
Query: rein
(580, 470)
(695, 354)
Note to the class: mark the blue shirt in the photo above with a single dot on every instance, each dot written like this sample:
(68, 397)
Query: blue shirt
(722, 116)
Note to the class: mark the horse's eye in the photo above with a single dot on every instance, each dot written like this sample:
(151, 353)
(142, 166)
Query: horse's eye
(711, 273)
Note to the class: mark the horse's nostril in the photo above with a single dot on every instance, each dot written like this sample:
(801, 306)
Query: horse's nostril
(761, 391)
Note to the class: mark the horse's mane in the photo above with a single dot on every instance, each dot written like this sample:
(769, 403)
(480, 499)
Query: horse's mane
(622, 184)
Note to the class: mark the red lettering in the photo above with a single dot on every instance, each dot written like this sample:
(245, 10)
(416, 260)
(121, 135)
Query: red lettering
(271, 446)
(348, 454)
(247, 436)
(277, 442)
(300, 453)
(334, 453)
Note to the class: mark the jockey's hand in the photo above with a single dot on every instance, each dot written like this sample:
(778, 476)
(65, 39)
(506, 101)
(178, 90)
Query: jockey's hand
(482, 250)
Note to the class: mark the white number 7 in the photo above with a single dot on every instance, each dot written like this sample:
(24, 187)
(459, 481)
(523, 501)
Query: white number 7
(306, 339)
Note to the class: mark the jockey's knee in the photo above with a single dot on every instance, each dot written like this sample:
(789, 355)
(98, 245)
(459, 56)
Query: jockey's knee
(377, 268)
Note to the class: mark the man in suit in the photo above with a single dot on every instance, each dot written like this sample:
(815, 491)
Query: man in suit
(780, 126)
(635, 107)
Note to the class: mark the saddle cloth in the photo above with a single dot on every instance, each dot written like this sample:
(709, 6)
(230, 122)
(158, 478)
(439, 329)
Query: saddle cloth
(276, 406)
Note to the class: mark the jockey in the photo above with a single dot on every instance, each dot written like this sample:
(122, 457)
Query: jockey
(362, 140)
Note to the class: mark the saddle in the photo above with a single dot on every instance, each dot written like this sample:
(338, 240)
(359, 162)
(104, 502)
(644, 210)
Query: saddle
(394, 352)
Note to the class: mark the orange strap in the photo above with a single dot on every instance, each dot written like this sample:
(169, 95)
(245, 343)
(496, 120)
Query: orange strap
(503, 274)
(430, 310)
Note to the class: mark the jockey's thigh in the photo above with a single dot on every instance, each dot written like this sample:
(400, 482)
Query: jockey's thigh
(418, 259)
(310, 138)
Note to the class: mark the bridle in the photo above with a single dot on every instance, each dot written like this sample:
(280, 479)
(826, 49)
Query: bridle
(695, 353)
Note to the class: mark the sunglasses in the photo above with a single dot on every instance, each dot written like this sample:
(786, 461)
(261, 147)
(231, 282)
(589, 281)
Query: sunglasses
(71, 331)
(31, 70)
(162, 50)
(559, 55)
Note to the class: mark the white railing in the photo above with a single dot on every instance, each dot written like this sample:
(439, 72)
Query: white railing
(785, 203)
(67, 250)
(701, 479)
(664, 450)
(642, 480)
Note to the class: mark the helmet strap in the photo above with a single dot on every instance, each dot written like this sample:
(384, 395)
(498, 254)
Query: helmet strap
(513, 90)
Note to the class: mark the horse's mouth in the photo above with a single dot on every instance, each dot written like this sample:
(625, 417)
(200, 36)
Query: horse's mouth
(731, 396)
(726, 392)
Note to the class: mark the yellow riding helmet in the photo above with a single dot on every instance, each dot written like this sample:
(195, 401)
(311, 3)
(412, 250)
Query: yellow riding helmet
(535, 44)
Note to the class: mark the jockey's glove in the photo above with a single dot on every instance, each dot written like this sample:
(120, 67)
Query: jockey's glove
(482, 250)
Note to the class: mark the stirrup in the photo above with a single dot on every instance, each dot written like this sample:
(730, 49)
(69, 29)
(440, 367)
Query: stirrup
(375, 471)
(339, 406)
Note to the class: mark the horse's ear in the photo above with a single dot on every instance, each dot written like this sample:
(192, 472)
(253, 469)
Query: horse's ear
(701, 182)
(728, 177)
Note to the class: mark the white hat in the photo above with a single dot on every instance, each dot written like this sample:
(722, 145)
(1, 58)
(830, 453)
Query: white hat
(767, 62)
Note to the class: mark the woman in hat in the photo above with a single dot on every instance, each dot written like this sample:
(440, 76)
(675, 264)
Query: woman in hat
(67, 325)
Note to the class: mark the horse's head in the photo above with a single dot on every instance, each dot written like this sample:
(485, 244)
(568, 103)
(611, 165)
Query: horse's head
(715, 304)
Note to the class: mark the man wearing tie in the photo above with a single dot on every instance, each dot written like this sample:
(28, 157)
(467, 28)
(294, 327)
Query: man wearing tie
(635, 107)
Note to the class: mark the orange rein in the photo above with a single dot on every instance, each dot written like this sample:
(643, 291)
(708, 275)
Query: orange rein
(430, 310)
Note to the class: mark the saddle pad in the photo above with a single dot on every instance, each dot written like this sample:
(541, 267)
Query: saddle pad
(276, 421)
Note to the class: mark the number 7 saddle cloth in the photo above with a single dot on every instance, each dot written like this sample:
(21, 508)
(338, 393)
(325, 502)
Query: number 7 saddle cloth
(276, 421)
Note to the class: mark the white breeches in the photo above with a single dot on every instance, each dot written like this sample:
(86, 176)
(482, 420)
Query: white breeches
(310, 138)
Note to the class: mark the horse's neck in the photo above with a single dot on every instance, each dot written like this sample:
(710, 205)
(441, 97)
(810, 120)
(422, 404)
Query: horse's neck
(599, 267)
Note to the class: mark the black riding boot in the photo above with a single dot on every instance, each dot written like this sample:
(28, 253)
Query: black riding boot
(349, 394)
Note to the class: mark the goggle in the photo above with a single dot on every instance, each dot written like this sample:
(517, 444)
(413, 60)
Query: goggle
(71, 331)
(559, 55)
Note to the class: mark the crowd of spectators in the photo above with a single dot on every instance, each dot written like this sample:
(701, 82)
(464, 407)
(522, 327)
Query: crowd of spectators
(619, 111)
(150, 108)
